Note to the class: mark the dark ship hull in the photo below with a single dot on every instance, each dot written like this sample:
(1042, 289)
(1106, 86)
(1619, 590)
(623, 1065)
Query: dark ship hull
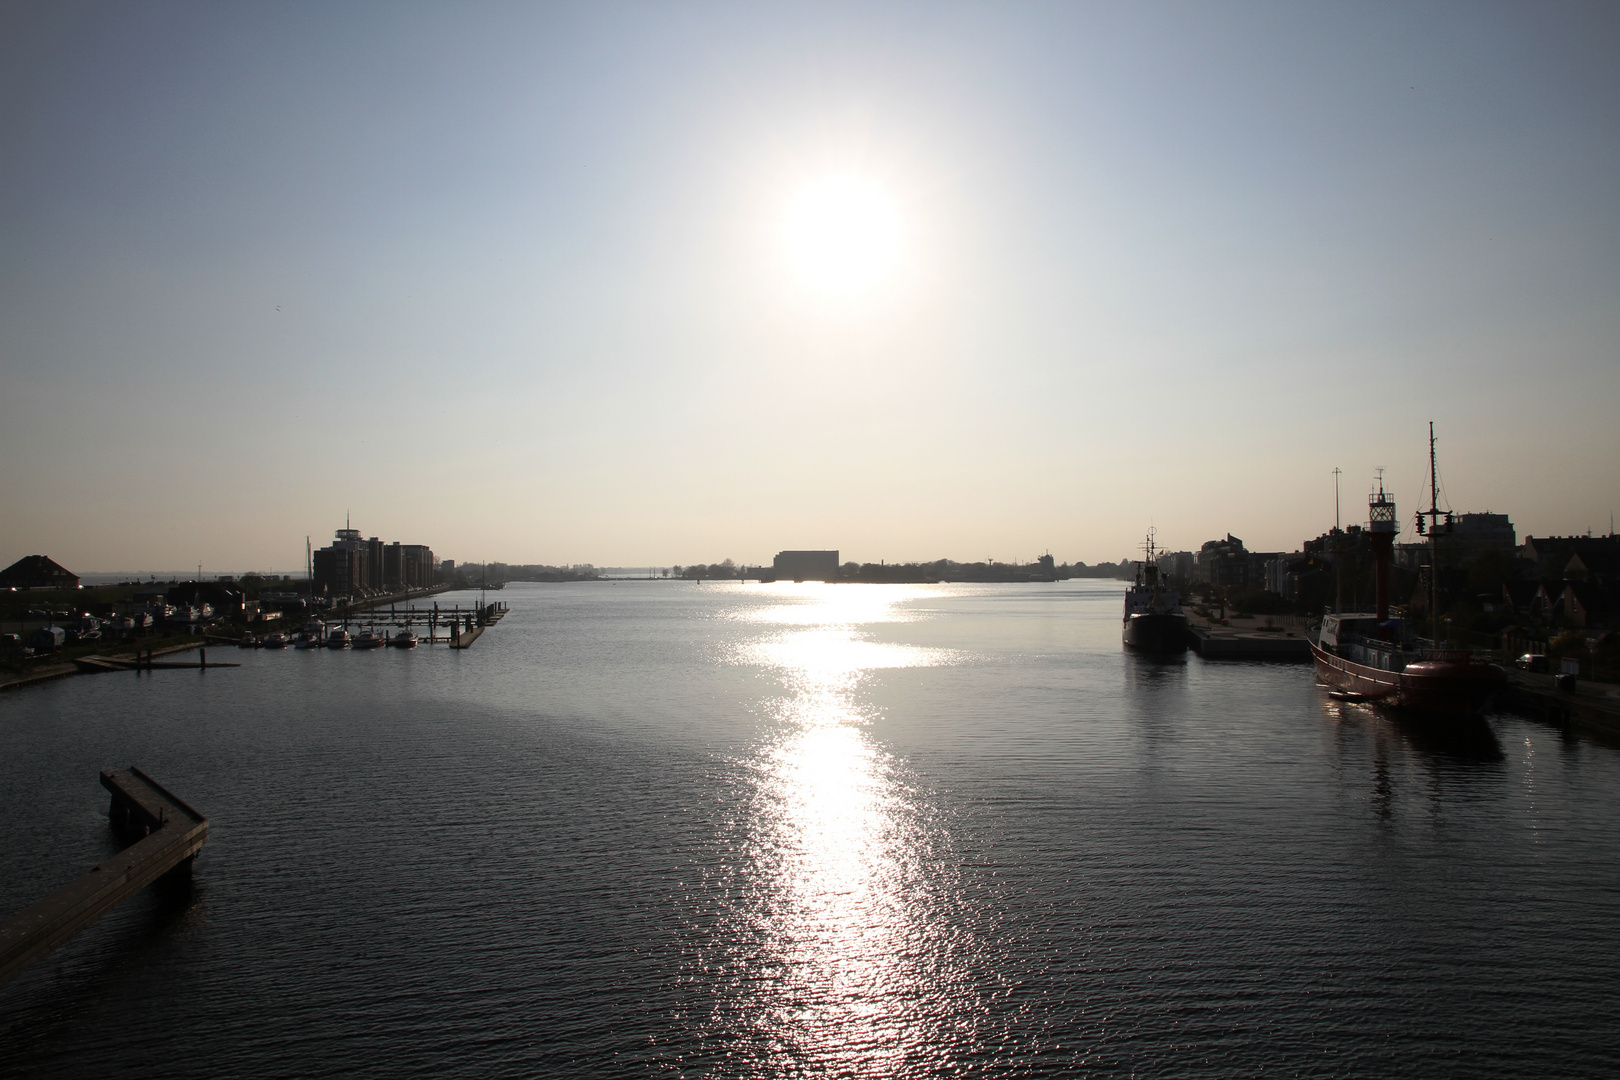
(1157, 632)
(1443, 683)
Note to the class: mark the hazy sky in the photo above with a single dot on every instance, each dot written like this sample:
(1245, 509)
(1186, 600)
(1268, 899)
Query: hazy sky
(530, 282)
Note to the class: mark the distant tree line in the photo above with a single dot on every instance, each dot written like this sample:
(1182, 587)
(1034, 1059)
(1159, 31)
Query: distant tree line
(495, 572)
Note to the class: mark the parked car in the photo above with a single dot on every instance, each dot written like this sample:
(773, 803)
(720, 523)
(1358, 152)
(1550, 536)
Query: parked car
(1532, 662)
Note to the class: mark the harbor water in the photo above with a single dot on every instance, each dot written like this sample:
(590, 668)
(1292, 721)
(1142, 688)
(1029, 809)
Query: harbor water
(679, 829)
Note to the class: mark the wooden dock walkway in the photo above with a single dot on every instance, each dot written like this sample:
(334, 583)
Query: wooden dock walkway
(167, 835)
(94, 663)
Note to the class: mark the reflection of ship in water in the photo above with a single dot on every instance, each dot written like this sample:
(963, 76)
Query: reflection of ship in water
(1153, 621)
(1451, 742)
(1372, 657)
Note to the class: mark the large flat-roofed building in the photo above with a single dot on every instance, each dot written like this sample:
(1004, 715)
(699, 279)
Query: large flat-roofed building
(805, 566)
(1475, 533)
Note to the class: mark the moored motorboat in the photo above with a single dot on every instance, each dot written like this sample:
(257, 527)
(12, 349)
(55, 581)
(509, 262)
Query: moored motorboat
(339, 639)
(368, 639)
(405, 639)
(277, 640)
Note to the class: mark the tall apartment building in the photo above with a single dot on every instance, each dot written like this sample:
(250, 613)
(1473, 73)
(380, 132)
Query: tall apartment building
(344, 566)
(350, 564)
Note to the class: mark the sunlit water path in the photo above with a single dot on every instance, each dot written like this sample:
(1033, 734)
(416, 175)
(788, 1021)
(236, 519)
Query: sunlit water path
(674, 829)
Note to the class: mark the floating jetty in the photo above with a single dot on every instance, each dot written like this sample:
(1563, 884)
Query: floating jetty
(166, 835)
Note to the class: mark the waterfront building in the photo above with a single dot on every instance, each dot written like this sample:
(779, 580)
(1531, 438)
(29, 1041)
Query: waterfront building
(352, 565)
(343, 567)
(1177, 564)
(1223, 562)
(407, 566)
(37, 572)
(805, 566)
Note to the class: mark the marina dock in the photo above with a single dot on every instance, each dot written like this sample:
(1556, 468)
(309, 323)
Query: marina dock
(457, 627)
(166, 835)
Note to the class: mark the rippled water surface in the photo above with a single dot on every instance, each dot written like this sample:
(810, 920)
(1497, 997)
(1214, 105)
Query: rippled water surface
(665, 828)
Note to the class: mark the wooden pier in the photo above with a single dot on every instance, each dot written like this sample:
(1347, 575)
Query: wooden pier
(166, 835)
(95, 663)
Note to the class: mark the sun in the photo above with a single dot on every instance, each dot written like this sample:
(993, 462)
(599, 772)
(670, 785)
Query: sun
(841, 235)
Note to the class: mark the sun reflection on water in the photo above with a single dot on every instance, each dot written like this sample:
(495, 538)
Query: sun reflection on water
(854, 949)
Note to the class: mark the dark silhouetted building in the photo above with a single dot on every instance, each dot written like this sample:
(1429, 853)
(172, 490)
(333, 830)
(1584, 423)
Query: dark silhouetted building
(805, 566)
(350, 565)
(344, 567)
(37, 572)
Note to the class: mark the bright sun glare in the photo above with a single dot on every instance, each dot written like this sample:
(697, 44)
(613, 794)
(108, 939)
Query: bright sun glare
(842, 235)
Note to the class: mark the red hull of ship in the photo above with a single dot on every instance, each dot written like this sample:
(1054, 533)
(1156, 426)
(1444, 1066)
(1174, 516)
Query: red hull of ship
(1452, 685)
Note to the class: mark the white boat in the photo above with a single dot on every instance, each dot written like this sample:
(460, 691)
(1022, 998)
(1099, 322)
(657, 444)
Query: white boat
(306, 640)
(405, 639)
(368, 639)
(339, 639)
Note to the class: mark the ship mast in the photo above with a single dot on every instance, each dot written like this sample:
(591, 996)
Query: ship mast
(1434, 514)
(1338, 549)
